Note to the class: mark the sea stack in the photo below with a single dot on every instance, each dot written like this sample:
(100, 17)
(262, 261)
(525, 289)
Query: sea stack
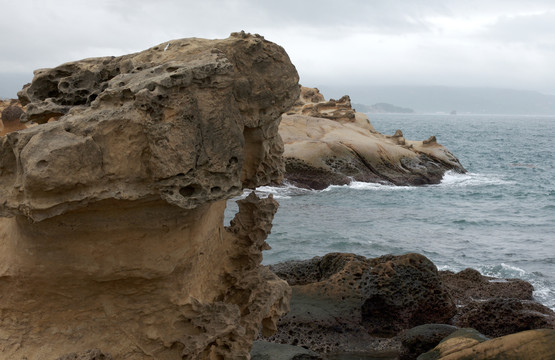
(112, 237)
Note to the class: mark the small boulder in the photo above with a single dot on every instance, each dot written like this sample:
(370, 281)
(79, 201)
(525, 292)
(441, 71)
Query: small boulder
(423, 338)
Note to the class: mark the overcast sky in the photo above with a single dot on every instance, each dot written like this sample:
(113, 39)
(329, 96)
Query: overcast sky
(492, 43)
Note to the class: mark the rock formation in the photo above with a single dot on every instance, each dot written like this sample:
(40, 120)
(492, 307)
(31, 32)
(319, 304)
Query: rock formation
(327, 142)
(113, 240)
(496, 307)
(345, 302)
(397, 306)
(10, 115)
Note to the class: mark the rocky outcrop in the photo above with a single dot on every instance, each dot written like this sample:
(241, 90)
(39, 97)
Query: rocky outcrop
(345, 302)
(495, 307)
(397, 306)
(113, 237)
(328, 142)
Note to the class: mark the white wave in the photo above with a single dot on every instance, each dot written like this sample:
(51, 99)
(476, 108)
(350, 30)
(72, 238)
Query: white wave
(454, 179)
(285, 191)
(359, 185)
(503, 271)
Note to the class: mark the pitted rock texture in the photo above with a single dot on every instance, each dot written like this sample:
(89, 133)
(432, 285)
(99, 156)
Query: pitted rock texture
(114, 234)
(495, 307)
(346, 302)
(328, 142)
(469, 285)
(187, 121)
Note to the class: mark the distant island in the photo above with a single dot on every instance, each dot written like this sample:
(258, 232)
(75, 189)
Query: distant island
(444, 99)
(381, 108)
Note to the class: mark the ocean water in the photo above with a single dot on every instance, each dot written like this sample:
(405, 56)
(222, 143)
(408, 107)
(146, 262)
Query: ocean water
(499, 218)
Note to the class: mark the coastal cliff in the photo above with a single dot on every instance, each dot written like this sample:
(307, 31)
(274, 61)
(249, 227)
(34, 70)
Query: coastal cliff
(329, 143)
(112, 239)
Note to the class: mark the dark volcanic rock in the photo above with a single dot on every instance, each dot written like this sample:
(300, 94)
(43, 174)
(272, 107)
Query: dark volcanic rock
(469, 285)
(405, 291)
(495, 307)
(499, 317)
(348, 302)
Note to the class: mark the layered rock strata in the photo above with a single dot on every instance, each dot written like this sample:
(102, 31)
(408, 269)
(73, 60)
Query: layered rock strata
(328, 142)
(113, 239)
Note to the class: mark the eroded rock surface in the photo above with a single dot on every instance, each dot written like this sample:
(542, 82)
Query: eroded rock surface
(495, 307)
(345, 302)
(397, 306)
(328, 142)
(114, 235)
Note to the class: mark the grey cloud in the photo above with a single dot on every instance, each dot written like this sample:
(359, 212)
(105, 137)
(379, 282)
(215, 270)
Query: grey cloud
(533, 28)
(322, 37)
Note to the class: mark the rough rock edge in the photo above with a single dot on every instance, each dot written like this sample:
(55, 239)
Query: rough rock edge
(258, 83)
(224, 96)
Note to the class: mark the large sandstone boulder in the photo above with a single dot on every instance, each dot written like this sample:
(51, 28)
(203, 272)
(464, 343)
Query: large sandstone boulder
(328, 142)
(467, 344)
(345, 302)
(113, 240)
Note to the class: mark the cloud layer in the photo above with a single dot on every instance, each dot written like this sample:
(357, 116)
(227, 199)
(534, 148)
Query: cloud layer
(382, 42)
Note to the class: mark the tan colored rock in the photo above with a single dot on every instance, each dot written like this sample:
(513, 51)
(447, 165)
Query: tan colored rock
(531, 344)
(327, 142)
(114, 237)
(10, 112)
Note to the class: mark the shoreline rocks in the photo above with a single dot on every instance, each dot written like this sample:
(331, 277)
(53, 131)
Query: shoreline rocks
(397, 305)
(329, 143)
(112, 240)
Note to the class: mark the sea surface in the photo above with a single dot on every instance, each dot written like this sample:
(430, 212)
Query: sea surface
(499, 218)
